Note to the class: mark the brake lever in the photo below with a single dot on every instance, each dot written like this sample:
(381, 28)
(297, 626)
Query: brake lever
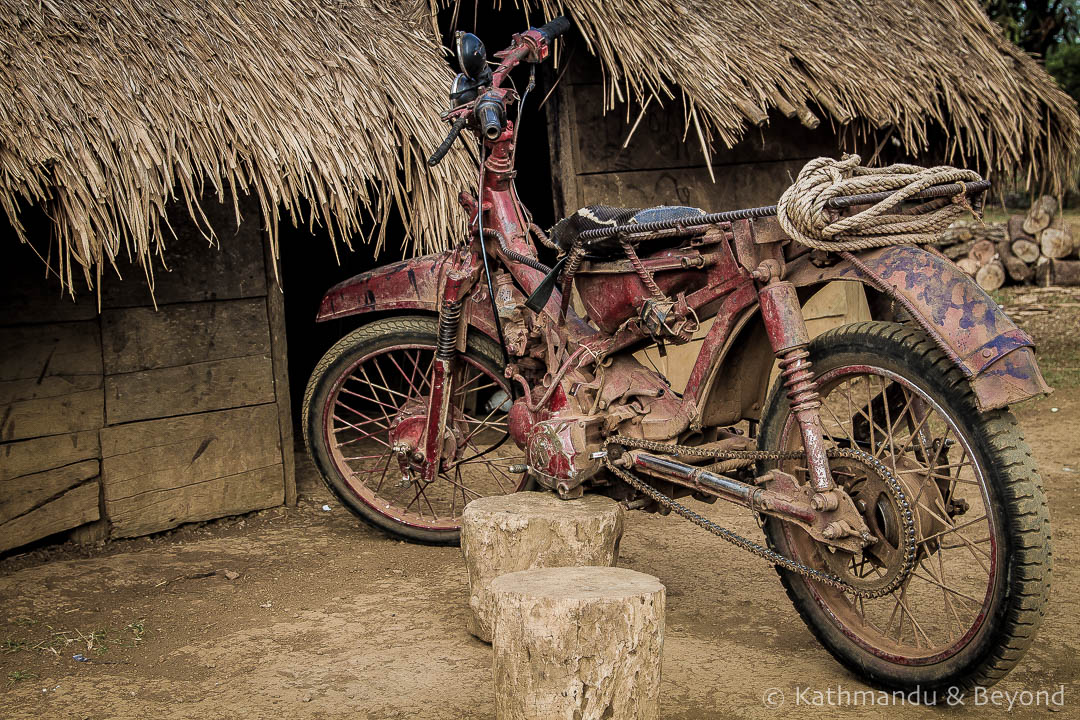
(455, 130)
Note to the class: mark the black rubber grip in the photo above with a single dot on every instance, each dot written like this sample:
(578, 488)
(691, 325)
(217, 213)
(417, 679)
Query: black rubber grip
(487, 113)
(555, 28)
(440, 152)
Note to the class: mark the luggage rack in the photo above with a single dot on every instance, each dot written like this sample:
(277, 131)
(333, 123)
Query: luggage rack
(840, 203)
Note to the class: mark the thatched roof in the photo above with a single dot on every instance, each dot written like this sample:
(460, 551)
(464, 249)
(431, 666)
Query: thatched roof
(107, 107)
(911, 64)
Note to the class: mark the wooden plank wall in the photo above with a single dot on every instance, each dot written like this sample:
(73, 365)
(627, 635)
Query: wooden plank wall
(52, 403)
(140, 418)
(663, 163)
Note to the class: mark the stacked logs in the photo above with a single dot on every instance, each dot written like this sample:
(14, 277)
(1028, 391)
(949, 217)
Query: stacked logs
(1038, 247)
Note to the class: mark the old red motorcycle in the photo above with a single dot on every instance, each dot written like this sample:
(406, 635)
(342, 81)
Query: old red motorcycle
(899, 502)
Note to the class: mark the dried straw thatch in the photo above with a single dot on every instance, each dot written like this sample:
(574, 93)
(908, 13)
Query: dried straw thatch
(108, 108)
(907, 64)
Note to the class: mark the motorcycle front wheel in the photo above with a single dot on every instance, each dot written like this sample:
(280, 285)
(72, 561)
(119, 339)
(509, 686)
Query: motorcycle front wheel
(971, 605)
(371, 390)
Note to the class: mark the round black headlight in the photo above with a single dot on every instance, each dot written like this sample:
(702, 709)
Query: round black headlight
(471, 55)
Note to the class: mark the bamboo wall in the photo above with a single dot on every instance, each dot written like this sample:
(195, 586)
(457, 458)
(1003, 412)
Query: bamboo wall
(136, 420)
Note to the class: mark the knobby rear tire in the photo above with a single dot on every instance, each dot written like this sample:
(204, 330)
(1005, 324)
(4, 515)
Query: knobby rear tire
(1015, 489)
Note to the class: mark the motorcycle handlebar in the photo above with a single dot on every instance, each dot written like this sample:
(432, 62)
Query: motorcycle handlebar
(555, 28)
(440, 152)
(489, 115)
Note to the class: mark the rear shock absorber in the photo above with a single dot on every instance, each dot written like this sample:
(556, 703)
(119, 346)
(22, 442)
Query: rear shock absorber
(802, 390)
(784, 323)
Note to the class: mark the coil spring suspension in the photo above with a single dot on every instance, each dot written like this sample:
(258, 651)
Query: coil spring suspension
(799, 380)
(449, 319)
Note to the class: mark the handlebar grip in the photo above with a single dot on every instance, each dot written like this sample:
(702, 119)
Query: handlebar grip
(555, 28)
(440, 152)
(490, 118)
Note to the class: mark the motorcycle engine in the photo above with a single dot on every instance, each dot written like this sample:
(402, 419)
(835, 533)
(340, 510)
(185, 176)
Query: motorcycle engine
(563, 447)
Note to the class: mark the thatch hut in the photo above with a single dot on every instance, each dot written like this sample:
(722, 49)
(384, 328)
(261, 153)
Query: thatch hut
(164, 143)
(160, 142)
(740, 83)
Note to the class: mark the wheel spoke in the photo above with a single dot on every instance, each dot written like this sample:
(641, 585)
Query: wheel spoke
(943, 598)
(389, 422)
(888, 424)
(367, 402)
(368, 436)
(408, 378)
(364, 397)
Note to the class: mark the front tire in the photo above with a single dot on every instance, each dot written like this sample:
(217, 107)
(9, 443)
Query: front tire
(971, 608)
(367, 387)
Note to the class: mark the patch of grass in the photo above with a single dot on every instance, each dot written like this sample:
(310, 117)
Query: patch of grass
(17, 675)
(997, 214)
(95, 641)
(1057, 342)
(138, 630)
(12, 645)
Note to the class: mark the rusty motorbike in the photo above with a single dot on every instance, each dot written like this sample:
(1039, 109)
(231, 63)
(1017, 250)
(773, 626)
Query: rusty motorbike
(897, 497)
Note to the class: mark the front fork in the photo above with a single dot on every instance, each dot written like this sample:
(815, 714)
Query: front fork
(459, 280)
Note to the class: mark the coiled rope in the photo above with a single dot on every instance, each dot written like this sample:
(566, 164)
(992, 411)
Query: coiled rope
(804, 217)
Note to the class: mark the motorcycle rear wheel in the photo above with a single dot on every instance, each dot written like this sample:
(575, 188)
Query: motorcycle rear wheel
(362, 391)
(972, 605)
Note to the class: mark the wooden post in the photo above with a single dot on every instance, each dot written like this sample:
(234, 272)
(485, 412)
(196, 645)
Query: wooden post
(504, 533)
(582, 643)
(275, 314)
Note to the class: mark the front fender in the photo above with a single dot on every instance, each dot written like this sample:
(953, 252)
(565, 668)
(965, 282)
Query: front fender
(996, 355)
(406, 285)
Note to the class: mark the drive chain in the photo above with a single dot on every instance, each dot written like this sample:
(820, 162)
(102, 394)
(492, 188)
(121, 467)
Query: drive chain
(909, 539)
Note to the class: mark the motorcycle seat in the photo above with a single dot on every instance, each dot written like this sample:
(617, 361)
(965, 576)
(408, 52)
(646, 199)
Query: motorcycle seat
(566, 231)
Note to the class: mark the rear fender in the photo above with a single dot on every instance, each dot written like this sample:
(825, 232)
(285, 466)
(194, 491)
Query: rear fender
(406, 285)
(996, 355)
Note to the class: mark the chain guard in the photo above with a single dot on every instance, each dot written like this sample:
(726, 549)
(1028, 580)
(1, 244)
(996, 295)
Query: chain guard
(907, 547)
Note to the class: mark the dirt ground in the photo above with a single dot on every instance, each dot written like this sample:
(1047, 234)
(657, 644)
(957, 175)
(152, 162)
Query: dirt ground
(305, 613)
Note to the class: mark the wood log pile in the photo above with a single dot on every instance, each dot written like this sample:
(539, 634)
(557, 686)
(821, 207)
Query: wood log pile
(1040, 247)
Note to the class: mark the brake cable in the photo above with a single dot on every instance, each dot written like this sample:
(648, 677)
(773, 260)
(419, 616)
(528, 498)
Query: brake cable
(487, 268)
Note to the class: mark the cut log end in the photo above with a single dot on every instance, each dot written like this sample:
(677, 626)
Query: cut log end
(507, 533)
(982, 252)
(968, 265)
(560, 631)
(1055, 243)
(1026, 250)
(990, 276)
(1040, 215)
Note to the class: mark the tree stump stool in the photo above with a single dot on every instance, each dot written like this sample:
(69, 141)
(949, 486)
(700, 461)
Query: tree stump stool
(506, 533)
(578, 643)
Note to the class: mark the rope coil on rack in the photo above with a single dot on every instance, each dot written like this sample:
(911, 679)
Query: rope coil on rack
(803, 215)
